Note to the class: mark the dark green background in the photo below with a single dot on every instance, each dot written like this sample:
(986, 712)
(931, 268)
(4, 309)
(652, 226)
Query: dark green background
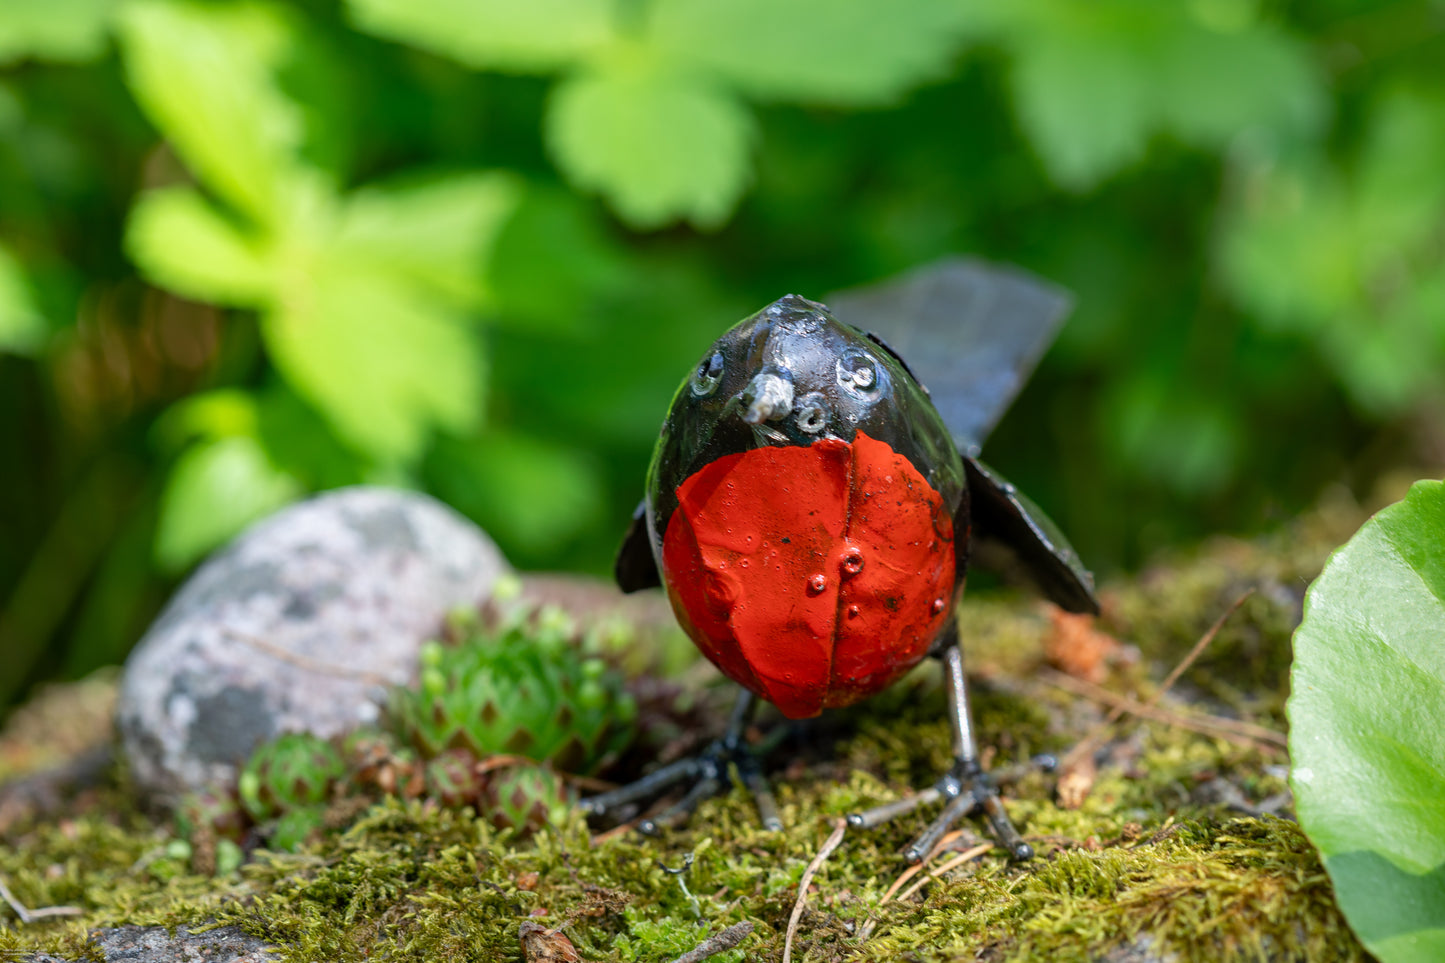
(1247, 198)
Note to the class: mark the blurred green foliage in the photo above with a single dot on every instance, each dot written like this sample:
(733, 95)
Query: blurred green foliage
(250, 250)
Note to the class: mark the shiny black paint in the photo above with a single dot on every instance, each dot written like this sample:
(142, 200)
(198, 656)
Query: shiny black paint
(977, 331)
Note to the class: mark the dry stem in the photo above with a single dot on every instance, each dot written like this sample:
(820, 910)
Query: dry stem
(1090, 742)
(713, 945)
(830, 844)
(1234, 730)
(27, 915)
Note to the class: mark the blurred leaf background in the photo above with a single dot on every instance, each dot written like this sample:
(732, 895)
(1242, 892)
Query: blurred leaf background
(250, 250)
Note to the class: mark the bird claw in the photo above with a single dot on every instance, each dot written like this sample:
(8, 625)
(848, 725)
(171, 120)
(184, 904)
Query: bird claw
(710, 772)
(965, 790)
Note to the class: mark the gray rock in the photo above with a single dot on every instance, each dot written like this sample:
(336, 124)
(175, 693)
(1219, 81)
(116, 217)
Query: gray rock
(152, 944)
(299, 625)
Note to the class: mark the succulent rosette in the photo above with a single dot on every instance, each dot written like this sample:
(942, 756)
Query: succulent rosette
(525, 688)
(524, 797)
(294, 771)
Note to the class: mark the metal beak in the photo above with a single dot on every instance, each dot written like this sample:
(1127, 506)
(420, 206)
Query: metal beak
(768, 397)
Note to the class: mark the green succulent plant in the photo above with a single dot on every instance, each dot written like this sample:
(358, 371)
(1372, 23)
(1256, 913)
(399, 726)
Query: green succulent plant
(294, 771)
(211, 811)
(524, 797)
(295, 825)
(452, 778)
(523, 688)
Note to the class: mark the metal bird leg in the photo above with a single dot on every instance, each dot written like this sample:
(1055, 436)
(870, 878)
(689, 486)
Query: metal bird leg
(710, 772)
(966, 787)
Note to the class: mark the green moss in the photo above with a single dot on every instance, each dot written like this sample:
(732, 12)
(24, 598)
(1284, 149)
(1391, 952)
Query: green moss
(417, 882)
(1146, 860)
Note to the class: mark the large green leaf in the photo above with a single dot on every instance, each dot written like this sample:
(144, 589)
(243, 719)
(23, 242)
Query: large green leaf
(534, 36)
(1095, 81)
(1367, 726)
(1399, 191)
(1084, 102)
(220, 413)
(1349, 254)
(182, 242)
(658, 145)
(215, 489)
(205, 76)
(22, 327)
(832, 51)
(383, 362)
(68, 30)
(1287, 250)
(437, 232)
(1212, 83)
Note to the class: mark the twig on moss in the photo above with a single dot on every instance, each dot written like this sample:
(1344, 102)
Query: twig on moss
(27, 915)
(866, 930)
(918, 867)
(1199, 647)
(903, 877)
(1086, 746)
(1234, 730)
(714, 945)
(956, 861)
(830, 844)
(1169, 828)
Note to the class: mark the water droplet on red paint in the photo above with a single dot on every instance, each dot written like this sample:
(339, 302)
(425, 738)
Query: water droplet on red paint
(743, 562)
(853, 562)
(853, 611)
(817, 584)
(937, 606)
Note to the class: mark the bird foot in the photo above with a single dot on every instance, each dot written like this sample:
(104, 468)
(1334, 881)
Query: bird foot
(710, 774)
(965, 789)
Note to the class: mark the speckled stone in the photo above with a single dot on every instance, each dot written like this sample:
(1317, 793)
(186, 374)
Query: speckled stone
(299, 624)
(152, 944)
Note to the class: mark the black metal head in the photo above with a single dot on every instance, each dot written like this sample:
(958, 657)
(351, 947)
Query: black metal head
(792, 373)
(789, 375)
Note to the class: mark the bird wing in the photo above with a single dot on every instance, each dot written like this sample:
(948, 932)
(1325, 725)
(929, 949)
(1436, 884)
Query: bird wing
(971, 332)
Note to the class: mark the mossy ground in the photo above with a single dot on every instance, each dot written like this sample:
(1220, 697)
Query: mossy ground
(1151, 859)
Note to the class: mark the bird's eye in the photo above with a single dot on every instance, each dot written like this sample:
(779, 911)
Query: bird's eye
(856, 370)
(812, 413)
(705, 379)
